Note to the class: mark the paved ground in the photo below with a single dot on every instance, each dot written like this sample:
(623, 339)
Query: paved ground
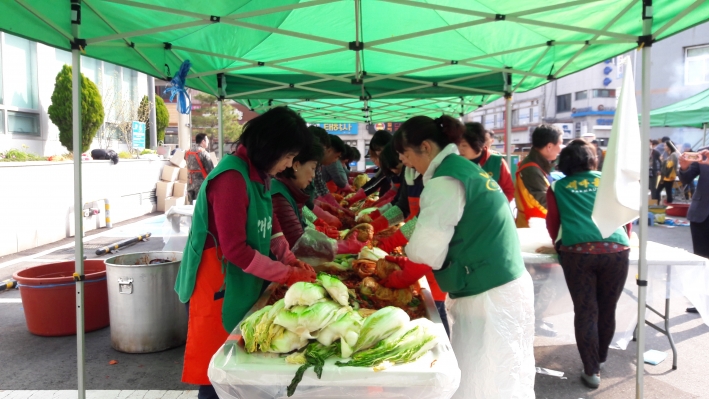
(38, 363)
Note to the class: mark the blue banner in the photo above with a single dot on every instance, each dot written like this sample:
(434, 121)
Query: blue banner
(339, 128)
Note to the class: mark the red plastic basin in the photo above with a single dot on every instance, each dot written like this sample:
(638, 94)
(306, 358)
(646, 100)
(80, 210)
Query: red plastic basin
(677, 210)
(49, 297)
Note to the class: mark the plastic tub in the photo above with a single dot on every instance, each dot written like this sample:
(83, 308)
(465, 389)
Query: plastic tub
(49, 297)
(677, 210)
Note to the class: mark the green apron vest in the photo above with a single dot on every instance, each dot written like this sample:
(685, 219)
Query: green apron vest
(575, 196)
(492, 166)
(277, 187)
(241, 289)
(484, 252)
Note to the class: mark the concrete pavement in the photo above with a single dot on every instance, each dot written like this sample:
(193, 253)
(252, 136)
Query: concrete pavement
(39, 363)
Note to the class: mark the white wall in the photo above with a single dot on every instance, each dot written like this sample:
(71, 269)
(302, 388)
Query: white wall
(37, 204)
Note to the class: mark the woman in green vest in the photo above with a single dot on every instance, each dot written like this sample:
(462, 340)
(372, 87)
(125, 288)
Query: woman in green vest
(465, 234)
(289, 197)
(473, 147)
(595, 267)
(226, 263)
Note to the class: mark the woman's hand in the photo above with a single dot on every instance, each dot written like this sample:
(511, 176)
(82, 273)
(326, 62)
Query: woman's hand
(684, 162)
(547, 250)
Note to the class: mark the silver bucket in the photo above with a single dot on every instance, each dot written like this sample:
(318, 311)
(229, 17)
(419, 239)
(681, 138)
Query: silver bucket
(145, 312)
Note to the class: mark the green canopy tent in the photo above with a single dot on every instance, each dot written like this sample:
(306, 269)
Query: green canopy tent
(353, 60)
(690, 112)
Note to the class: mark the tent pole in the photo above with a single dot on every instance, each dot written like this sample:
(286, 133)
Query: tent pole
(644, 184)
(151, 117)
(704, 135)
(78, 206)
(508, 119)
(221, 129)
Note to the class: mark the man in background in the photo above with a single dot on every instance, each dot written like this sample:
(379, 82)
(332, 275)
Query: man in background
(199, 164)
(533, 176)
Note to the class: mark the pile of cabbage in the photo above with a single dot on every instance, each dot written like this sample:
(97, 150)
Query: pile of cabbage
(318, 317)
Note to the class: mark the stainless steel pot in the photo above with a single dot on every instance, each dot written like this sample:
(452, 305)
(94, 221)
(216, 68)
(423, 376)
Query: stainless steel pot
(145, 312)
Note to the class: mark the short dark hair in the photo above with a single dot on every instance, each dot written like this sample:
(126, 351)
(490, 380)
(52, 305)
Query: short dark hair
(443, 130)
(274, 134)
(337, 144)
(320, 134)
(314, 152)
(577, 156)
(356, 155)
(475, 135)
(380, 139)
(388, 158)
(546, 134)
(200, 138)
(665, 139)
(655, 142)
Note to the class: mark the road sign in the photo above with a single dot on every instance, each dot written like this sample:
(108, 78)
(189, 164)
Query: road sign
(138, 135)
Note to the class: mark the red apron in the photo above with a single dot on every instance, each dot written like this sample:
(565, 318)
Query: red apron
(205, 332)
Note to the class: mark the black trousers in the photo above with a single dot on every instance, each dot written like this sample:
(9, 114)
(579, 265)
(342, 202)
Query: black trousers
(654, 190)
(595, 283)
(667, 185)
(700, 237)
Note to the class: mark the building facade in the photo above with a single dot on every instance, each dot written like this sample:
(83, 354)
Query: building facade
(27, 74)
(583, 104)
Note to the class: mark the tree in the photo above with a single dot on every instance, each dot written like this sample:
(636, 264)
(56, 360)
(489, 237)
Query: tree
(162, 118)
(205, 120)
(60, 112)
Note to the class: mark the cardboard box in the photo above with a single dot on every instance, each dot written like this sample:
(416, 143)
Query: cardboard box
(178, 158)
(173, 201)
(179, 190)
(164, 189)
(213, 157)
(170, 173)
(183, 176)
(161, 204)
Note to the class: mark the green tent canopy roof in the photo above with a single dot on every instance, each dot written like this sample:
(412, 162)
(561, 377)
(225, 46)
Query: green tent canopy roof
(344, 51)
(691, 112)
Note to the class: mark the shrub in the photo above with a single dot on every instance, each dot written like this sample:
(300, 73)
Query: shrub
(125, 155)
(15, 155)
(60, 112)
(162, 118)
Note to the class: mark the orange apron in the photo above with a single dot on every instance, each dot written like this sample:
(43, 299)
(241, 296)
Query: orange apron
(527, 206)
(205, 332)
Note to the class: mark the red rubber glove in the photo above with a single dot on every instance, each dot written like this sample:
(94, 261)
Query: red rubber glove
(301, 265)
(329, 231)
(359, 196)
(397, 240)
(347, 189)
(297, 274)
(410, 273)
(374, 215)
(350, 246)
(385, 199)
(326, 217)
(380, 224)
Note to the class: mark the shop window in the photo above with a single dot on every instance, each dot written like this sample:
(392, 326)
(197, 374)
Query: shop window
(563, 103)
(23, 123)
(581, 95)
(603, 93)
(696, 65)
(2, 121)
(20, 57)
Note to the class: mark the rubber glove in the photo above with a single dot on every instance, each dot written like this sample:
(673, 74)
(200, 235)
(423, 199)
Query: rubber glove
(326, 229)
(347, 189)
(397, 240)
(385, 199)
(327, 217)
(380, 223)
(297, 274)
(350, 246)
(410, 272)
(301, 265)
(358, 196)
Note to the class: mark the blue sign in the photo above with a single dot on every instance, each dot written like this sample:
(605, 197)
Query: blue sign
(339, 128)
(138, 135)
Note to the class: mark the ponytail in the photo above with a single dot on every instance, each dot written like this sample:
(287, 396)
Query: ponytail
(443, 130)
